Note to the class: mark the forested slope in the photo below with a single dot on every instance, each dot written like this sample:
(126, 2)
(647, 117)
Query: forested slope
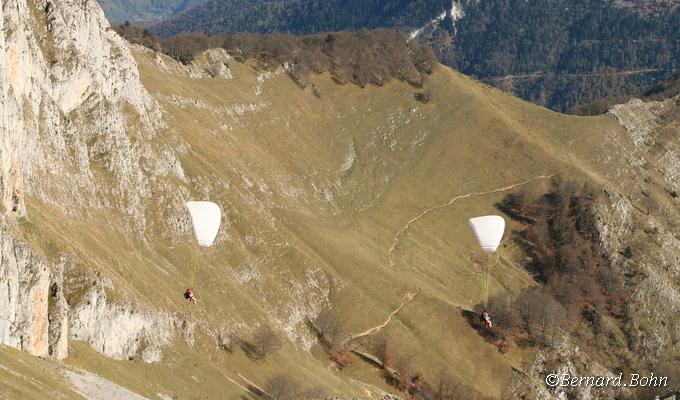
(555, 53)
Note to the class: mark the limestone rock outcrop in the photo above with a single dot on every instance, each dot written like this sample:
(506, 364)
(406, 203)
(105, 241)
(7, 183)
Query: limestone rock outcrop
(70, 96)
(24, 296)
(120, 331)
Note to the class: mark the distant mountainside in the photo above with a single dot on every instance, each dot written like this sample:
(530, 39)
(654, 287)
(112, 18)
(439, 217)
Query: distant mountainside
(301, 16)
(145, 10)
(666, 89)
(555, 53)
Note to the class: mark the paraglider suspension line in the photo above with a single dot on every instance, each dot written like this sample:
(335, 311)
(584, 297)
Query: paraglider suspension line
(486, 280)
(193, 270)
(491, 257)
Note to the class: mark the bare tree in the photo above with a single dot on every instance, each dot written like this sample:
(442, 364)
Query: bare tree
(282, 387)
(265, 342)
(542, 315)
(505, 316)
(329, 328)
(450, 388)
(384, 349)
(364, 57)
(406, 373)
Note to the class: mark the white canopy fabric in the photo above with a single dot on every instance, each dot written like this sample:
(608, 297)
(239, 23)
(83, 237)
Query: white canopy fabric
(205, 218)
(489, 231)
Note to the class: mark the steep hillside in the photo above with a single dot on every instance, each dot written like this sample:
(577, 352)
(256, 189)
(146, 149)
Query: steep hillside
(555, 53)
(338, 200)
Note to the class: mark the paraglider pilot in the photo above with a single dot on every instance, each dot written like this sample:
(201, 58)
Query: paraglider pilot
(484, 317)
(189, 296)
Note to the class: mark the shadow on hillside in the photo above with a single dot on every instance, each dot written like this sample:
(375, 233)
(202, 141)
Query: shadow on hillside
(255, 394)
(250, 350)
(472, 319)
(495, 336)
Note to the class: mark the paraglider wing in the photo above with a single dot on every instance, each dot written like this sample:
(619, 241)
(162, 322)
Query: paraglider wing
(205, 218)
(489, 231)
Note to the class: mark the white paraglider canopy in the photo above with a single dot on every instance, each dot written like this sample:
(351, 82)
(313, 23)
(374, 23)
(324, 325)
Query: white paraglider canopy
(489, 231)
(205, 218)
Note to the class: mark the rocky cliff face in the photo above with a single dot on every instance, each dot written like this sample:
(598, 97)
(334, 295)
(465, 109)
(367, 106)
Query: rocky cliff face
(643, 217)
(69, 93)
(24, 293)
(120, 331)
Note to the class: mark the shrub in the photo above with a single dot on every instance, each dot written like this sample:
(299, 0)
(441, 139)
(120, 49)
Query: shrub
(282, 387)
(517, 206)
(341, 357)
(652, 205)
(136, 35)
(628, 252)
(449, 388)
(423, 97)
(405, 373)
(384, 349)
(265, 342)
(329, 329)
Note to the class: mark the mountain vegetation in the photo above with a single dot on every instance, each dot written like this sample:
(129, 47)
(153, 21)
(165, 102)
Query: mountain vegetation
(556, 53)
(118, 11)
(565, 53)
(137, 35)
(581, 291)
(363, 57)
(300, 16)
(669, 88)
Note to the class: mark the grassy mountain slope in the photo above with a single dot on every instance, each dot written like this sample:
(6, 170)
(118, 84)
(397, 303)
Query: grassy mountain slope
(345, 209)
(316, 191)
(395, 179)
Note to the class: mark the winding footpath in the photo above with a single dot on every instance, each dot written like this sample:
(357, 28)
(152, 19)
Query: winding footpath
(407, 298)
(395, 241)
